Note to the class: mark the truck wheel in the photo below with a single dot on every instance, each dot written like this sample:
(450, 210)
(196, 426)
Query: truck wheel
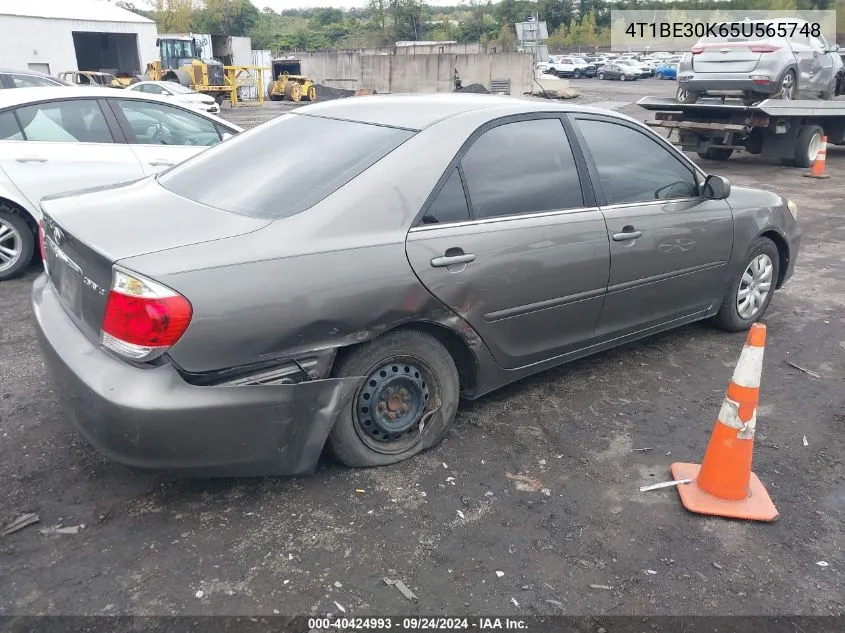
(749, 295)
(807, 145)
(717, 153)
(405, 403)
(17, 243)
(686, 96)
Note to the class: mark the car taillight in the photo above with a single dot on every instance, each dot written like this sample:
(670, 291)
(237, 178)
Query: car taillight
(143, 318)
(41, 242)
(695, 50)
(763, 48)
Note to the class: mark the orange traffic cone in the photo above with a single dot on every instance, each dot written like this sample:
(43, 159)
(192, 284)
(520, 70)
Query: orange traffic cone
(817, 169)
(723, 485)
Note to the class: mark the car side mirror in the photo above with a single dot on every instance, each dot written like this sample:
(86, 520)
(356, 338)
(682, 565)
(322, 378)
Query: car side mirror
(716, 188)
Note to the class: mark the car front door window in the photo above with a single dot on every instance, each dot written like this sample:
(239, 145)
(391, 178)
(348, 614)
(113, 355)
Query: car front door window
(633, 167)
(161, 124)
(30, 81)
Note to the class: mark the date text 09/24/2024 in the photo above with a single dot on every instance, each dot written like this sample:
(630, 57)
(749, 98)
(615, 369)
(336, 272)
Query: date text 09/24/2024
(748, 30)
(416, 623)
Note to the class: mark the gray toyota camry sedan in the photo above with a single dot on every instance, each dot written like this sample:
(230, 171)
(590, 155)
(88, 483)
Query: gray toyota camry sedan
(341, 276)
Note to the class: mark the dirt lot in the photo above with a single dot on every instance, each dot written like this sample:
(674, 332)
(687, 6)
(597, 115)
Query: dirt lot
(449, 520)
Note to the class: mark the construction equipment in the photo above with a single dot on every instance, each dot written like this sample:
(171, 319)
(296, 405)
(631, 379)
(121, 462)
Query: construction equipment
(288, 82)
(180, 61)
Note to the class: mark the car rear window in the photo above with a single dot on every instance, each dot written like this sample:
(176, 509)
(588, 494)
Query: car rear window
(282, 167)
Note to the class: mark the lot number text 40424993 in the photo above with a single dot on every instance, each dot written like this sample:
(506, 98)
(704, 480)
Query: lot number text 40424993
(417, 623)
(734, 30)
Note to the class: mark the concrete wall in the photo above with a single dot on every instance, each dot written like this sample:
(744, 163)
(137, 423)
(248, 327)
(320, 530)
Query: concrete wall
(418, 73)
(49, 42)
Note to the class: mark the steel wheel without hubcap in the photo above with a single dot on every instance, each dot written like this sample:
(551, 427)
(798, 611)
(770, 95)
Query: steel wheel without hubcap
(814, 147)
(392, 402)
(755, 286)
(11, 245)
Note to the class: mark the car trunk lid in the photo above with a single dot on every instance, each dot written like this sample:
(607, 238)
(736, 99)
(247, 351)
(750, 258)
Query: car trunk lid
(85, 235)
(728, 57)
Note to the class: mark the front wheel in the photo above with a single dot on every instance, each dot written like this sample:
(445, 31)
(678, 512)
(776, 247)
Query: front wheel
(405, 402)
(576, 74)
(601, 75)
(623, 78)
(659, 75)
(749, 295)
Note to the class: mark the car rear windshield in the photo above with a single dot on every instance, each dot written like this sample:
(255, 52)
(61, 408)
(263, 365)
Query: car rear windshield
(282, 167)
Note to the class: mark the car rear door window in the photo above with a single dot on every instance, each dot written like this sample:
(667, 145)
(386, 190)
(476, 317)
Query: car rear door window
(522, 167)
(79, 120)
(9, 128)
(450, 205)
(162, 124)
(31, 81)
(285, 177)
(633, 167)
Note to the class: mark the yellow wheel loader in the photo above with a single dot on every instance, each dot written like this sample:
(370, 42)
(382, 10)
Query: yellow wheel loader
(180, 61)
(288, 82)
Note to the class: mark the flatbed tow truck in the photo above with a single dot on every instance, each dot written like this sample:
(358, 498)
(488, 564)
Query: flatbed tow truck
(789, 130)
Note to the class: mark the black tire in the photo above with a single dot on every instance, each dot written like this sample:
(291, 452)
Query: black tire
(23, 236)
(728, 317)
(622, 77)
(576, 73)
(601, 76)
(351, 443)
(803, 142)
(716, 153)
(659, 76)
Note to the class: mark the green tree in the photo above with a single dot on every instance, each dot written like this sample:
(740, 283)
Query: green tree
(172, 16)
(226, 17)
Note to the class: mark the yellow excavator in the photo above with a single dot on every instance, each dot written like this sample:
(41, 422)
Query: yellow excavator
(180, 61)
(288, 82)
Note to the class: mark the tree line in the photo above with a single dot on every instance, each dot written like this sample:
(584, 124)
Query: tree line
(380, 23)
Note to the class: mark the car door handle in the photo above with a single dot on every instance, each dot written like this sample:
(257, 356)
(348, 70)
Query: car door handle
(451, 260)
(628, 233)
(31, 159)
(161, 163)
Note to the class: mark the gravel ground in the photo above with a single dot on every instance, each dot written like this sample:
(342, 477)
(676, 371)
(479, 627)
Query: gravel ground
(449, 520)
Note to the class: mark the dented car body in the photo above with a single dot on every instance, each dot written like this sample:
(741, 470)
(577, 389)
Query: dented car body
(277, 291)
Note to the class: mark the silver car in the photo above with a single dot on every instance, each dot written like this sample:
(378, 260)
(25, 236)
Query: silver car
(746, 65)
(411, 254)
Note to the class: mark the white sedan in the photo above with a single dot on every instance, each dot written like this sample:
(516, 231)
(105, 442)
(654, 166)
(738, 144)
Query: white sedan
(179, 93)
(56, 140)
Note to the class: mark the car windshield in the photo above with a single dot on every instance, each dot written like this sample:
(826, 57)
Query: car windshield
(579, 60)
(281, 178)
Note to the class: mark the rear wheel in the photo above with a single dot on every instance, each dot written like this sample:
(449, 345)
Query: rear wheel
(788, 86)
(310, 94)
(751, 291)
(808, 144)
(659, 75)
(686, 96)
(601, 75)
(17, 243)
(404, 404)
(622, 77)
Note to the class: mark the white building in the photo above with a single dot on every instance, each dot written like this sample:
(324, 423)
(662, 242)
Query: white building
(53, 36)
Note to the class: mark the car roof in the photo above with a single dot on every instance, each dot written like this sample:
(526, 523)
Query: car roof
(419, 111)
(32, 73)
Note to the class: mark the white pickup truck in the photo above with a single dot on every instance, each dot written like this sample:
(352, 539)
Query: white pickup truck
(564, 66)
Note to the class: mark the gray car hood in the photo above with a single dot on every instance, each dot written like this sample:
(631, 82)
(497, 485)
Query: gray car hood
(142, 217)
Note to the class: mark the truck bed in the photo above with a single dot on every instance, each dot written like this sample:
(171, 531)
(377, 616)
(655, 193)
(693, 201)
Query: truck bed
(769, 107)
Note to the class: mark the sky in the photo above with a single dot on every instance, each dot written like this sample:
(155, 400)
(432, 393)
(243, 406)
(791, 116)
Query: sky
(278, 5)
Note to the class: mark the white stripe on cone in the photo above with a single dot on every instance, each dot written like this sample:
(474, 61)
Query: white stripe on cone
(750, 367)
(729, 416)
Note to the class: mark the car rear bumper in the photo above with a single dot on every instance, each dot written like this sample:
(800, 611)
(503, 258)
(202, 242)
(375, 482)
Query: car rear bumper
(727, 83)
(149, 417)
